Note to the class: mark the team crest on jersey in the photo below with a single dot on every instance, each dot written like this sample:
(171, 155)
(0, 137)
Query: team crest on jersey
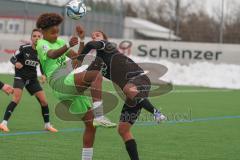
(45, 48)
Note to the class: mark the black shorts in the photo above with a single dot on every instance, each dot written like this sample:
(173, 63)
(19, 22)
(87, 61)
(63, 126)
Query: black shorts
(131, 110)
(32, 85)
(130, 114)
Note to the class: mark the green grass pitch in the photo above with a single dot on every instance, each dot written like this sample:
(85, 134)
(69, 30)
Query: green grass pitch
(203, 125)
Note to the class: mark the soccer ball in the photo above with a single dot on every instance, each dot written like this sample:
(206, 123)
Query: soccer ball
(76, 9)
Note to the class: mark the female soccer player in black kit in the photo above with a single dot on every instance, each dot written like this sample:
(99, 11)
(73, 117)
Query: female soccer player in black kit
(6, 88)
(26, 61)
(130, 78)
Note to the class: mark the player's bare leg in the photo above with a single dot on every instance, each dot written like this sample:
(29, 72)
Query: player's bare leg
(88, 136)
(17, 94)
(131, 91)
(45, 111)
(130, 143)
(94, 79)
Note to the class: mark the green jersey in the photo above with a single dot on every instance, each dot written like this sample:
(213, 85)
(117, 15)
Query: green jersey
(60, 83)
(49, 65)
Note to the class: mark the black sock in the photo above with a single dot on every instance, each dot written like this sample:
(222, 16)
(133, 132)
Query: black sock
(131, 147)
(147, 105)
(45, 113)
(9, 110)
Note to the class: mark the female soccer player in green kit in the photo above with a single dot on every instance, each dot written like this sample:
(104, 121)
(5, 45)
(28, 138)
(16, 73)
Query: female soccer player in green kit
(53, 53)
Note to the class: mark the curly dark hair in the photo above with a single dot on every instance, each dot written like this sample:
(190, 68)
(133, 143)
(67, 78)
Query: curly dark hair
(47, 20)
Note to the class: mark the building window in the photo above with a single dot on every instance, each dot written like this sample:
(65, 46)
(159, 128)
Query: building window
(13, 27)
(2, 26)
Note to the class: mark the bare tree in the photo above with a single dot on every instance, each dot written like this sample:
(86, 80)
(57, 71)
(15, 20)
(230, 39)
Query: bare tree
(199, 27)
(190, 20)
(232, 26)
(129, 10)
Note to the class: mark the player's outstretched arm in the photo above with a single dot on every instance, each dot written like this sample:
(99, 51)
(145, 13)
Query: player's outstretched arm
(81, 34)
(59, 52)
(89, 46)
(72, 54)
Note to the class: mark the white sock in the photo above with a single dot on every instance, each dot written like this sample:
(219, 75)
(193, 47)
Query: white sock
(47, 125)
(87, 153)
(98, 109)
(4, 122)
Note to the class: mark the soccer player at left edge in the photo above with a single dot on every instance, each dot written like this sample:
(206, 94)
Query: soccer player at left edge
(6, 88)
(26, 61)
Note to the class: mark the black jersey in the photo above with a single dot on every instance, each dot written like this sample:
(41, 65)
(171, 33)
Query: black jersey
(27, 56)
(118, 67)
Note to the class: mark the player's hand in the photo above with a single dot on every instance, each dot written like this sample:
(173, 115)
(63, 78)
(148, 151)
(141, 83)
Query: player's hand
(43, 79)
(18, 65)
(72, 54)
(80, 31)
(73, 41)
(76, 63)
(8, 89)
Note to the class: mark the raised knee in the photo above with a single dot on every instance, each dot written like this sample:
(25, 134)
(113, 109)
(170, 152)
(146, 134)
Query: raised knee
(16, 99)
(130, 91)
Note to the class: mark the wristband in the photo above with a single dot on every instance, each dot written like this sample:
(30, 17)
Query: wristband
(81, 40)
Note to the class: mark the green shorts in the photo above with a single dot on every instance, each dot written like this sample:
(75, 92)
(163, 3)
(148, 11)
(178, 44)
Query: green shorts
(64, 89)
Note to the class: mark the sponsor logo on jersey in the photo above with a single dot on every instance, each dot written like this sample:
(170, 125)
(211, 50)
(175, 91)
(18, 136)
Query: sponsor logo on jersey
(31, 63)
